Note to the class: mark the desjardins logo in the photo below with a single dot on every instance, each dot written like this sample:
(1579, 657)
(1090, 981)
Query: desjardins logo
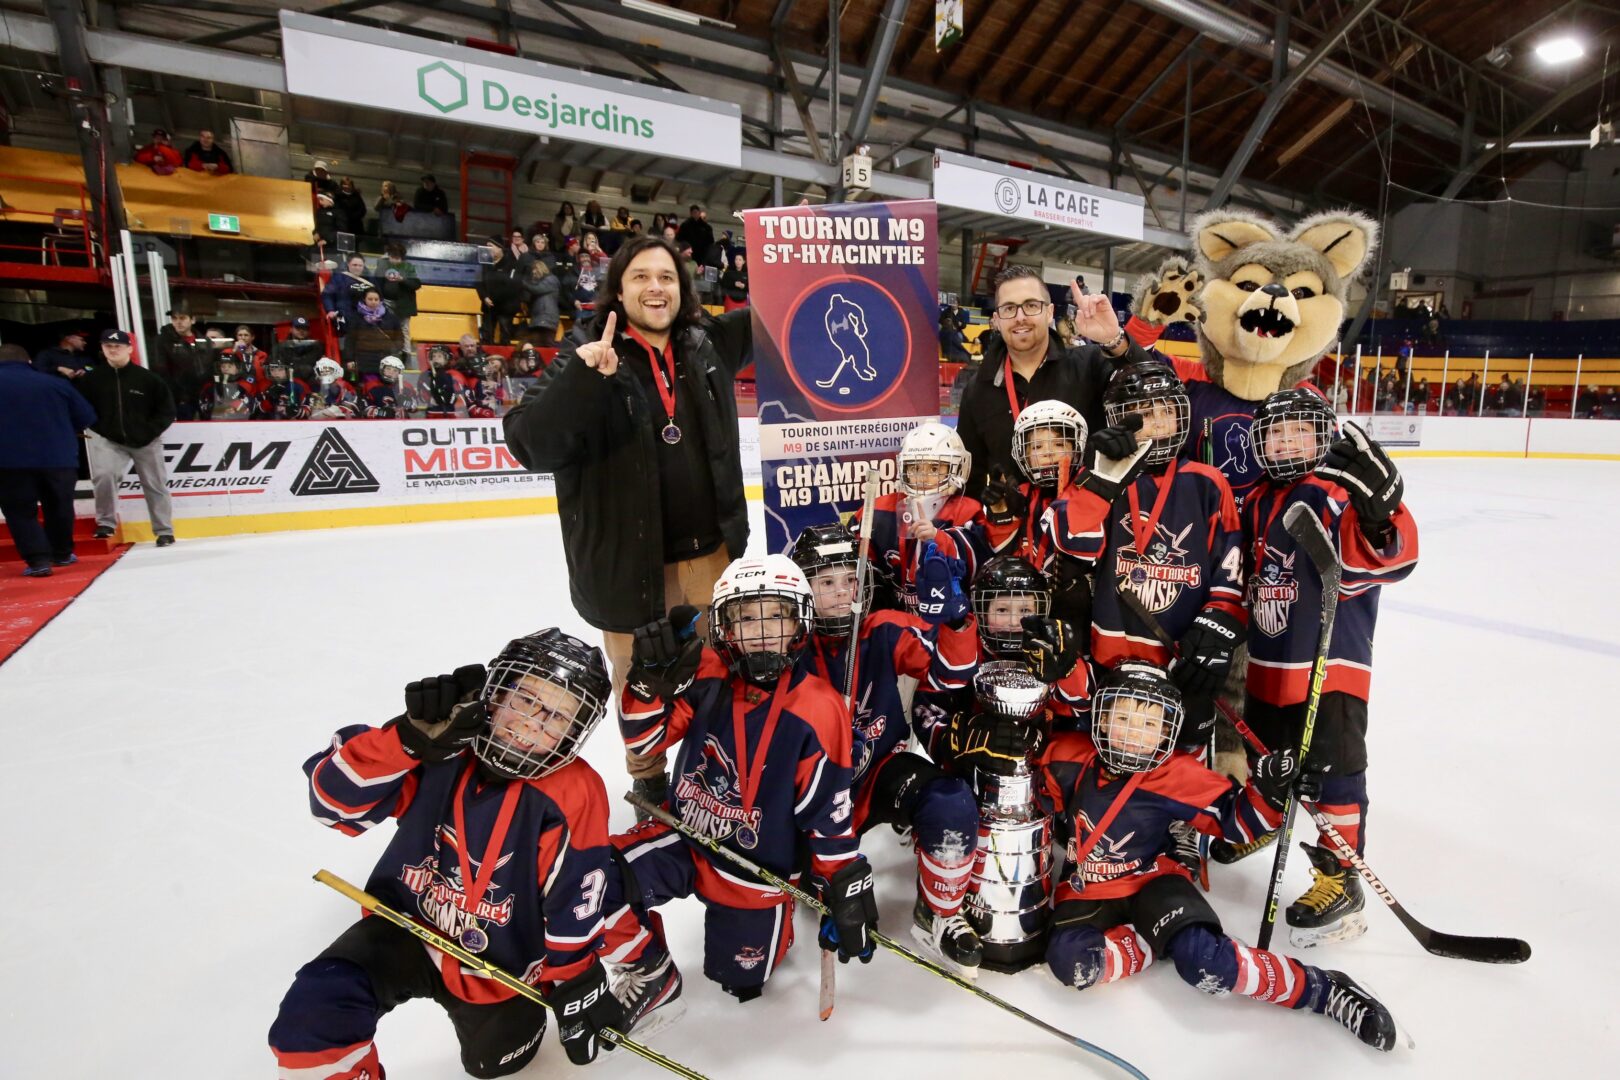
(445, 88)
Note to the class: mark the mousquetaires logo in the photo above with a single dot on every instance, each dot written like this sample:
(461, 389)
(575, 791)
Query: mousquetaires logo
(447, 90)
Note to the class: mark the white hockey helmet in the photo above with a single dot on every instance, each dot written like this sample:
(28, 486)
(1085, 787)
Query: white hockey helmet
(934, 442)
(1064, 423)
(328, 368)
(738, 615)
(391, 362)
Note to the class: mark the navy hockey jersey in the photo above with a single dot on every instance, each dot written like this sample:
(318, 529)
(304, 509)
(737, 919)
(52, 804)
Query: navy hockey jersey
(961, 525)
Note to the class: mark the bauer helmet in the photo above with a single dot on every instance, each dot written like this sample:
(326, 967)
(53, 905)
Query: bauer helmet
(1009, 688)
(391, 364)
(276, 369)
(1291, 433)
(1005, 591)
(1048, 442)
(828, 555)
(761, 616)
(935, 444)
(545, 694)
(1135, 719)
(328, 370)
(1152, 391)
(439, 358)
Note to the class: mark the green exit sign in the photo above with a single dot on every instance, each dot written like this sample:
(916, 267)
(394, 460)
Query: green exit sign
(224, 223)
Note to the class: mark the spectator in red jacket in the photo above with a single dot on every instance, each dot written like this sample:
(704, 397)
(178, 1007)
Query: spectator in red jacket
(205, 155)
(159, 155)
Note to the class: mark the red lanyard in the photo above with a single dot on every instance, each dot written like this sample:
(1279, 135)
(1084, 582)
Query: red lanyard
(1141, 533)
(1012, 397)
(474, 889)
(853, 659)
(1032, 517)
(1260, 536)
(665, 383)
(1097, 831)
(739, 712)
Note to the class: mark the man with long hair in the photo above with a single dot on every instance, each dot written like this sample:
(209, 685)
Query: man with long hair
(637, 419)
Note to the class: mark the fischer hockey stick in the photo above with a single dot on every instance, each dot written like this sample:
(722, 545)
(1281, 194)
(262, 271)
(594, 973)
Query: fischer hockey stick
(809, 901)
(484, 967)
(1309, 533)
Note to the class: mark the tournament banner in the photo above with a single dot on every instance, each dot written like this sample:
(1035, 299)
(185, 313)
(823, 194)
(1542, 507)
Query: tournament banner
(846, 350)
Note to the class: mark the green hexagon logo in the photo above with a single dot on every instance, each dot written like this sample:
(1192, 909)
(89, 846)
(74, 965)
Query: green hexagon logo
(441, 86)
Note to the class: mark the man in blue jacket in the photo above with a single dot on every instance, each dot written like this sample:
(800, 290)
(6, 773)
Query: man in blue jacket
(41, 417)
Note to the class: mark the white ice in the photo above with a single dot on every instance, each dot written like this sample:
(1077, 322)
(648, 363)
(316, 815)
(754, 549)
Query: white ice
(159, 850)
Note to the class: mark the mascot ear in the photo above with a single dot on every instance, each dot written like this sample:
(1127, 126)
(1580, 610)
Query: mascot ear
(1221, 232)
(1345, 239)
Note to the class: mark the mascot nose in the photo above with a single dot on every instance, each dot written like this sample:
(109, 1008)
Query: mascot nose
(1275, 290)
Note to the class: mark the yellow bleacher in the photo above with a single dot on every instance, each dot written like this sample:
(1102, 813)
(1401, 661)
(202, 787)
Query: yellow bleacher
(444, 313)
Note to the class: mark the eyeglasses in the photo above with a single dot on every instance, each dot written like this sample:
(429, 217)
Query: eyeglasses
(1028, 307)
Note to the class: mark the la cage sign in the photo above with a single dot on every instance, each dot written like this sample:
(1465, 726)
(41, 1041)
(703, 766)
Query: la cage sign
(991, 188)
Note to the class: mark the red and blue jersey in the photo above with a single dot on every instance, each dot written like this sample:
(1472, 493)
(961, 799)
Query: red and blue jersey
(1022, 535)
(288, 400)
(540, 915)
(961, 535)
(389, 401)
(798, 794)
(340, 394)
(1136, 846)
(1285, 591)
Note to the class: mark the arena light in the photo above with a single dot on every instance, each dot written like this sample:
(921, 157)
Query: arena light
(663, 11)
(1560, 50)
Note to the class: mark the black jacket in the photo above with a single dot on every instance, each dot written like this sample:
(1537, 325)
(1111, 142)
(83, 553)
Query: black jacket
(502, 283)
(597, 435)
(133, 405)
(1076, 376)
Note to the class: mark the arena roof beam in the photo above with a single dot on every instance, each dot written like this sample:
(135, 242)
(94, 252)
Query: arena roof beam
(272, 27)
(894, 14)
(1550, 106)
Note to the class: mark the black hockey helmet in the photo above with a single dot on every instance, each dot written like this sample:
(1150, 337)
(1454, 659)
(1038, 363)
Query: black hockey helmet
(545, 693)
(1136, 718)
(1005, 590)
(830, 547)
(1141, 387)
(1292, 431)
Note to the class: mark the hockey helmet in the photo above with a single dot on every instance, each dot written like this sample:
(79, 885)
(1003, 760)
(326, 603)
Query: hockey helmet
(933, 443)
(1136, 718)
(761, 616)
(1291, 433)
(328, 370)
(828, 555)
(545, 694)
(1048, 443)
(1153, 391)
(1004, 592)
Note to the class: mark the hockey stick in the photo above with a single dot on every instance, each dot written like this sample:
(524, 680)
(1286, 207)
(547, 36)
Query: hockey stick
(484, 967)
(882, 939)
(1308, 532)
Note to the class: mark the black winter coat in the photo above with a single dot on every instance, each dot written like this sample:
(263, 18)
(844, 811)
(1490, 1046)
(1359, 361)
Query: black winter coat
(133, 405)
(598, 436)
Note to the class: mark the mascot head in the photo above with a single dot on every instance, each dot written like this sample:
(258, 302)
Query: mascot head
(1273, 302)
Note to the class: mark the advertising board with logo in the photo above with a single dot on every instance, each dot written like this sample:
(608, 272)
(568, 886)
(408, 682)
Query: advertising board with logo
(845, 349)
(993, 188)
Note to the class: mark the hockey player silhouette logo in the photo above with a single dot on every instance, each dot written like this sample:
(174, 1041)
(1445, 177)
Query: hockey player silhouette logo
(846, 329)
(1273, 592)
(848, 344)
(1158, 575)
(710, 796)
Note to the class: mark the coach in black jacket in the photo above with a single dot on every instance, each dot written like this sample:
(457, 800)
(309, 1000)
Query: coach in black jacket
(648, 468)
(1042, 369)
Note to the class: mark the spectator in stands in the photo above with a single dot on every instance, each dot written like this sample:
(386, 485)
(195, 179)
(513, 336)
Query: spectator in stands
(372, 312)
(1420, 396)
(133, 410)
(1497, 399)
(565, 264)
(205, 155)
(320, 180)
(390, 204)
(540, 288)
(564, 226)
(66, 358)
(184, 362)
(1341, 394)
(159, 155)
(40, 421)
(1587, 403)
(1389, 393)
(1456, 399)
(397, 279)
(952, 343)
(1611, 404)
(658, 223)
(430, 197)
(697, 234)
(621, 220)
(344, 291)
(298, 352)
(669, 234)
(636, 227)
(500, 293)
(593, 217)
(734, 283)
(349, 208)
(587, 274)
(517, 248)
(1537, 401)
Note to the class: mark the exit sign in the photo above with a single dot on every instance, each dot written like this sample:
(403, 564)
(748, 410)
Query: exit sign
(228, 223)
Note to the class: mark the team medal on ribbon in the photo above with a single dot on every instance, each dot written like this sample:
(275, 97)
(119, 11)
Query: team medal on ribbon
(671, 433)
(747, 837)
(474, 940)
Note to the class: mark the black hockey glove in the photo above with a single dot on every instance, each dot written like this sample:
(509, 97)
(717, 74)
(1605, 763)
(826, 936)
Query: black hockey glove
(665, 655)
(1071, 590)
(997, 744)
(1206, 652)
(443, 714)
(1275, 775)
(1051, 647)
(1001, 490)
(1360, 466)
(940, 599)
(1117, 440)
(585, 1005)
(1108, 474)
(852, 913)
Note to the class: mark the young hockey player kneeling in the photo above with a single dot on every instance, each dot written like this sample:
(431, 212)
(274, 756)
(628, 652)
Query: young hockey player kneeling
(1123, 901)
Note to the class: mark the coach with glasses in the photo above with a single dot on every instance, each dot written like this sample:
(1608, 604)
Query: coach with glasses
(1024, 363)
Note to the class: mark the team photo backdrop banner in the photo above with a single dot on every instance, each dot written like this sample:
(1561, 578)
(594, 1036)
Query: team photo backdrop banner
(846, 350)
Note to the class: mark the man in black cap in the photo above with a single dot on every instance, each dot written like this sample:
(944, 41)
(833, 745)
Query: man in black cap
(133, 409)
(298, 351)
(183, 361)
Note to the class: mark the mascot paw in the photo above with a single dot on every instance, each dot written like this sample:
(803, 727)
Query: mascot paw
(1170, 294)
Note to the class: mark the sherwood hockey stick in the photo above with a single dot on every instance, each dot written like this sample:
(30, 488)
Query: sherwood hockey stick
(484, 967)
(1310, 534)
(809, 901)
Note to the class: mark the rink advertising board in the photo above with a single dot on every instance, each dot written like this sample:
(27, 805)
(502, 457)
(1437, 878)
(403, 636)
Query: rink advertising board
(990, 187)
(846, 350)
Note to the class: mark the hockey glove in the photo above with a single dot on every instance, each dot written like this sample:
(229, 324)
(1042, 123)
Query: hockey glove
(852, 913)
(997, 744)
(1206, 652)
(1003, 502)
(940, 599)
(443, 714)
(1361, 467)
(1071, 590)
(1116, 441)
(665, 655)
(585, 1005)
(1109, 475)
(1051, 647)
(1275, 775)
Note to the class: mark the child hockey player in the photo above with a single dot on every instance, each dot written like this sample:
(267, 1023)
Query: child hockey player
(937, 648)
(388, 398)
(337, 398)
(1123, 902)
(1355, 490)
(736, 708)
(442, 386)
(501, 844)
(1048, 443)
(229, 395)
(282, 397)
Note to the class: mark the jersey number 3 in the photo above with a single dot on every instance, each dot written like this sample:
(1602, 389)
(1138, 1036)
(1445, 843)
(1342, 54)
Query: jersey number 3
(593, 885)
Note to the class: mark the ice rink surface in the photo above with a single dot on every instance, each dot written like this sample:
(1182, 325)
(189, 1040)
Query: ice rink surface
(160, 848)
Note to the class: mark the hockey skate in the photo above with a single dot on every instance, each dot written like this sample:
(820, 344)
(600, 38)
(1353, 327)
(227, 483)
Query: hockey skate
(1331, 909)
(1226, 854)
(1353, 1008)
(650, 992)
(949, 937)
